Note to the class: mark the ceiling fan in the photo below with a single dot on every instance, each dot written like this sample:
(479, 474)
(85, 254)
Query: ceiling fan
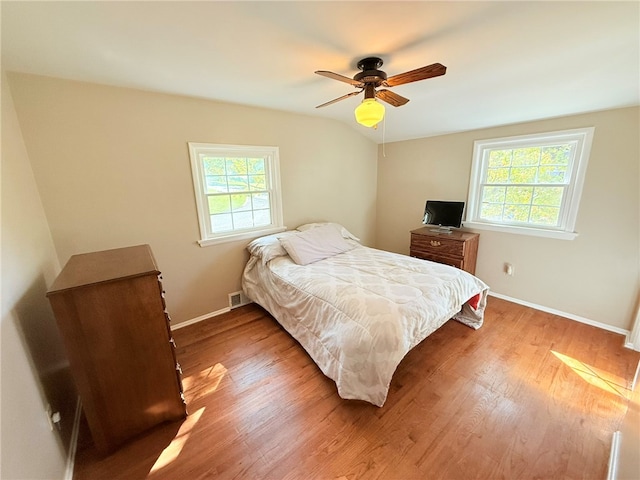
(369, 113)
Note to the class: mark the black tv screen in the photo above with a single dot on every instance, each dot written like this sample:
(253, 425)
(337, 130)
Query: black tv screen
(443, 214)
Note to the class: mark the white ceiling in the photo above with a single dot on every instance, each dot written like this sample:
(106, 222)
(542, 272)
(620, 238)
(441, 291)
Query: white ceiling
(507, 62)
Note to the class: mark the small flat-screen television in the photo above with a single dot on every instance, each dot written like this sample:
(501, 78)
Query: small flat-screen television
(443, 215)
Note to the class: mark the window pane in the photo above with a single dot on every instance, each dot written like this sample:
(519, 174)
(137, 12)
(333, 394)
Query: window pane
(257, 182)
(491, 211)
(523, 175)
(493, 194)
(500, 158)
(545, 215)
(497, 175)
(526, 156)
(548, 196)
(219, 204)
(213, 165)
(552, 174)
(236, 166)
(216, 184)
(519, 195)
(221, 223)
(256, 165)
(240, 202)
(260, 200)
(242, 220)
(516, 213)
(261, 218)
(238, 183)
(557, 155)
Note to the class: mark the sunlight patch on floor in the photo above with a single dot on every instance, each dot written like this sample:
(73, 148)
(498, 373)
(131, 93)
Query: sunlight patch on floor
(596, 377)
(203, 383)
(174, 449)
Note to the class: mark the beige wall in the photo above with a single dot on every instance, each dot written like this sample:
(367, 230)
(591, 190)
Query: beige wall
(112, 167)
(31, 350)
(594, 276)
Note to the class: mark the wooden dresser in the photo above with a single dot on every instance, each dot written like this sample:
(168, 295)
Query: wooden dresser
(459, 249)
(111, 313)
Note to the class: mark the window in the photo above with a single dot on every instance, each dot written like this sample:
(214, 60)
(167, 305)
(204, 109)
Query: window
(237, 191)
(529, 184)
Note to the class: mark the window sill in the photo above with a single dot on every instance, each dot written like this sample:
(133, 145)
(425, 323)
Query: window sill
(233, 237)
(534, 232)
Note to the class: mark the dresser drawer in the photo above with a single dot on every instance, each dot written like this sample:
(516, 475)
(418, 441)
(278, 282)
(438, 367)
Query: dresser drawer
(439, 245)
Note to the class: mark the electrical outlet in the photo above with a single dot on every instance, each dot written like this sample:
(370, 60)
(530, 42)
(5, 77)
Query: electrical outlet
(52, 417)
(508, 269)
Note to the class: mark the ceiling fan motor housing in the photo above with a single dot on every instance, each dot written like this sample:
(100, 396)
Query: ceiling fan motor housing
(370, 73)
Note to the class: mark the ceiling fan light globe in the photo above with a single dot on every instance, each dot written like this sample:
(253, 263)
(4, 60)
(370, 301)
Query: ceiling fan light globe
(369, 113)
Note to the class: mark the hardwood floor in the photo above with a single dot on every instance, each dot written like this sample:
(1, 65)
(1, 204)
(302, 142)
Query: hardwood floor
(529, 395)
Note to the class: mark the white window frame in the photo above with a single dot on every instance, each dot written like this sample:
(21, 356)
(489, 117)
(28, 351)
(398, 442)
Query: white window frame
(581, 138)
(272, 172)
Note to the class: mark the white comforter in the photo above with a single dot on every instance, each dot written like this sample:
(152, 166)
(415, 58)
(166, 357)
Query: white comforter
(358, 313)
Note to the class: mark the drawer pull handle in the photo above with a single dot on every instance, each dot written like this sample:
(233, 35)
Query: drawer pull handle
(434, 243)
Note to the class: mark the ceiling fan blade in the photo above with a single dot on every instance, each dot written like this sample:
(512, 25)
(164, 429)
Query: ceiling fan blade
(423, 73)
(339, 98)
(342, 78)
(391, 98)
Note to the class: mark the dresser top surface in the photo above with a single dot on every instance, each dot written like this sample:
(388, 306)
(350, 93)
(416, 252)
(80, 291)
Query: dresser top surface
(454, 235)
(108, 265)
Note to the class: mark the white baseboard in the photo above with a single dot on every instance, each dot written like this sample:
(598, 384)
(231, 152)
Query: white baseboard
(200, 318)
(570, 316)
(612, 472)
(73, 443)
(208, 315)
(635, 378)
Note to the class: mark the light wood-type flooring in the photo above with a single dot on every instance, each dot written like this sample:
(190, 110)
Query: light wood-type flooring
(528, 395)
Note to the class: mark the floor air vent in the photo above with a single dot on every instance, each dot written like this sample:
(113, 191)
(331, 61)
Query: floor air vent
(238, 299)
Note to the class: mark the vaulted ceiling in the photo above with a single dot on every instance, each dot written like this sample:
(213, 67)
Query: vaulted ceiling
(507, 62)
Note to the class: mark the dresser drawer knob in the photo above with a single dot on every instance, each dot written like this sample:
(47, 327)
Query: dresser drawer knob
(434, 243)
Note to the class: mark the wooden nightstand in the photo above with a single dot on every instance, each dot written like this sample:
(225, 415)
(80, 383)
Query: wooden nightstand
(458, 249)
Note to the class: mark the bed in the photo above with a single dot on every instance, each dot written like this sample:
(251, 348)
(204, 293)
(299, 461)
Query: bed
(357, 311)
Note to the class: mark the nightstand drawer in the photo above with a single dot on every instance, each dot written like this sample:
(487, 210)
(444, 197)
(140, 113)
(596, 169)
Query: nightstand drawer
(454, 262)
(438, 245)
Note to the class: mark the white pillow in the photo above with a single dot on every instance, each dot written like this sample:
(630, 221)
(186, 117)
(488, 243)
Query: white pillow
(269, 247)
(315, 244)
(343, 231)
